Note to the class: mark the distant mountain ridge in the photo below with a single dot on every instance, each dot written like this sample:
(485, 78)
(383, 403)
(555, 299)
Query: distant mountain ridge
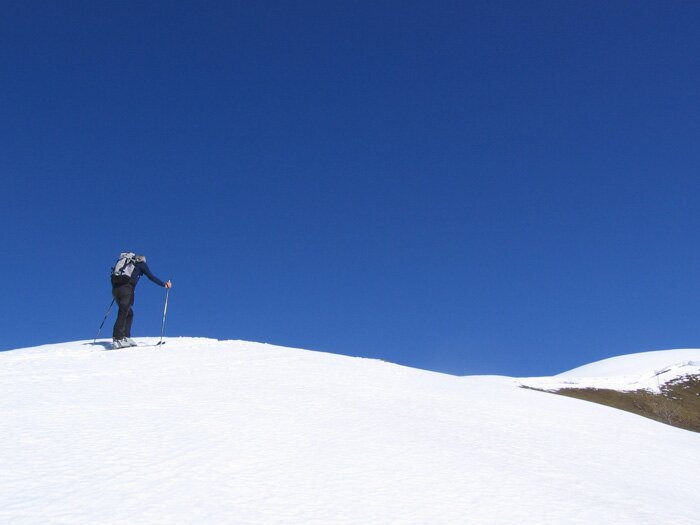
(661, 385)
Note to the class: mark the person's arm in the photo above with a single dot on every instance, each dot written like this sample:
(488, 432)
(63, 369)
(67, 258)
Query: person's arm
(147, 271)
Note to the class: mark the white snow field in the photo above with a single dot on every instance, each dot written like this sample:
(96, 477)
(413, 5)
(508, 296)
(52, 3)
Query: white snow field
(205, 431)
(645, 371)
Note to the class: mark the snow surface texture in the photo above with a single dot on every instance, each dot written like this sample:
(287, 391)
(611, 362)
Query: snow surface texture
(645, 371)
(204, 431)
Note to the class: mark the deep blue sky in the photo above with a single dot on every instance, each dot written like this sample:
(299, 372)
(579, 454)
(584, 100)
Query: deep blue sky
(469, 187)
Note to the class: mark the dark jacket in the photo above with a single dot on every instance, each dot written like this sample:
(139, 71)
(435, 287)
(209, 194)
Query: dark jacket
(140, 268)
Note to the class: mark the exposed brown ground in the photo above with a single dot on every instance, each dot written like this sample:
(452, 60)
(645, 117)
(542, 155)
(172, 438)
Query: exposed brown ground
(678, 404)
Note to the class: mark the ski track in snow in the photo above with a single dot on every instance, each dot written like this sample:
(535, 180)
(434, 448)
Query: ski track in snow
(204, 431)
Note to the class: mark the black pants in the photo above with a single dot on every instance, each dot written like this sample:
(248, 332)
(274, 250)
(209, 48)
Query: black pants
(124, 297)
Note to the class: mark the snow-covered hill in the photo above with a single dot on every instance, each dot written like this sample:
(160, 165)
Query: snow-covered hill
(204, 431)
(644, 371)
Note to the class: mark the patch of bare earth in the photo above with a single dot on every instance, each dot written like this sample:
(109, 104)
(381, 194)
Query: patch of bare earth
(678, 403)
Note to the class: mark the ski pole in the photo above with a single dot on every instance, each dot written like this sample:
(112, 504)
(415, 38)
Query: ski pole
(103, 321)
(165, 311)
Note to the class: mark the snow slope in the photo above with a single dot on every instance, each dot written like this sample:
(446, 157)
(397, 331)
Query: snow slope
(647, 370)
(204, 431)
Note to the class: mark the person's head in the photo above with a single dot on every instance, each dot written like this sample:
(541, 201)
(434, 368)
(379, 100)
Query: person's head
(140, 258)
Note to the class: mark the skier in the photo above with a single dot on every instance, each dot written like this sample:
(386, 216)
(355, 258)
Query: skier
(125, 276)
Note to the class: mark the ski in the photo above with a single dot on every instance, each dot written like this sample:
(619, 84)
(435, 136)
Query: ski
(156, 345)
(140, 345)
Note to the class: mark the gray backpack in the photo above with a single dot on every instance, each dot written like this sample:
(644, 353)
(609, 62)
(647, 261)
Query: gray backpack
(121, 273)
